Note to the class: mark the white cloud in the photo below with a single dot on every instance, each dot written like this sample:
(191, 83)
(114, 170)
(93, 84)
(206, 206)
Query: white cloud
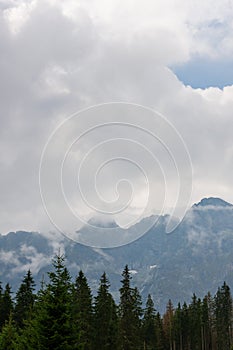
(58, 57)
(5, 257)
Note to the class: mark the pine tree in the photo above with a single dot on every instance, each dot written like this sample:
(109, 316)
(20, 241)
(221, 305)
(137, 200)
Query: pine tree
(53, 322)
(29, 337)
(105, 318)
(83, 312)
(148, 327)
(196, 323)
(160, 338)
(6, 305)
(177, 328)
(223, 317)
(9, 335)
(2, 318)
(168, 324)
(137, 309)
(24, 300)
(206, 322)
(129, 312)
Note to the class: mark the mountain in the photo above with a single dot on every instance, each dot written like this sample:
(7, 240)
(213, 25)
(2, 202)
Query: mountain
(196, 257)
(213, 202)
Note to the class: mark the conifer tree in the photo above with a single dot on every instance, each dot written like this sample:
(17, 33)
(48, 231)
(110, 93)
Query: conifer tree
(129, 312)
(9, 335)
(105, 318)
(148, 327)
(53, 322)
(83, 312)
(137, 307)
(177, 328)
(2, 320)
(223, 317)
(6, 305)
(195, 323)
(160, 339)
(25, 298)
(186, 326)
(168, 324)
(206, 322)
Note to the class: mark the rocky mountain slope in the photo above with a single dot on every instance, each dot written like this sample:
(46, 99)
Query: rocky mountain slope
(196, 257)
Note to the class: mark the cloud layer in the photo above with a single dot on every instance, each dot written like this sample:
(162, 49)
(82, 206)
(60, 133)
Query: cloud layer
(59, 57)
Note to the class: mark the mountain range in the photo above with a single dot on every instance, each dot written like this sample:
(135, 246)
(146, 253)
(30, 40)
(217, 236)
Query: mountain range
(196, 257)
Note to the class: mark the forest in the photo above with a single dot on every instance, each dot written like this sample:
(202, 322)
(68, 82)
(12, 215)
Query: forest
(64, 314)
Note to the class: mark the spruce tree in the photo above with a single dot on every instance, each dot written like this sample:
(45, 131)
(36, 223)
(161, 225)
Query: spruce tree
(186, 326)
(160, 338)
(148, 325)
(207, 322)
(177, 328)
(83, 312)
(9, 336)
(105, 318)
(168, 324)
(25, 298)
(129, 312)
(195, 323)
(6, 305)
(53, 322)
(223, 317)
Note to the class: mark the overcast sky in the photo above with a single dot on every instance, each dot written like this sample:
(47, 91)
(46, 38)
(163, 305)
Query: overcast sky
(58, 57)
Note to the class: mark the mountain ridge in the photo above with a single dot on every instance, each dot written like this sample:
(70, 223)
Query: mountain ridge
(196, 257)
(212, 201)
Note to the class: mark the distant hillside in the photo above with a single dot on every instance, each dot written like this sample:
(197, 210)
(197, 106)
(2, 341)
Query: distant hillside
(196, 257)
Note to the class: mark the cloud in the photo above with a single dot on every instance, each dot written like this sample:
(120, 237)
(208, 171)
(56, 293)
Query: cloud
(35, 260)
(5, 257)
(59, 57)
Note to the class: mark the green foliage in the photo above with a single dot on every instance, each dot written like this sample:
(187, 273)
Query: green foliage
(83, 312)
(53, 322)
(160, 342)
(25, 298)
(105, 318)
(149, 325)
(129, 312)
(195, 320)
(9, 336)
(6, 305)
(223, 314)
(61, 316)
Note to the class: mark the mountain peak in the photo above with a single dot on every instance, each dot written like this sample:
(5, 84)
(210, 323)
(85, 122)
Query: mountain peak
(102, 222)
(213, 202)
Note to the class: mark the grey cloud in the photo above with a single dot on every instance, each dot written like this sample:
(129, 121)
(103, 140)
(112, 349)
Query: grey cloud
(56, 65)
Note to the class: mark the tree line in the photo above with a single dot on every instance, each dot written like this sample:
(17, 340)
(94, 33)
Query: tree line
(64, 315)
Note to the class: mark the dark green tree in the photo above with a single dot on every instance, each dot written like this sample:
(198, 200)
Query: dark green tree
(105, 318)
(195, 313)
(9, 335)
(6, 305)
(223, 317)
(53, 323)
(160, 338)
(137, 309)
(129, 313)
(186, 326)
(148, 325)
(25, 298)
(83, 312)
(177, 328)
(207, 322)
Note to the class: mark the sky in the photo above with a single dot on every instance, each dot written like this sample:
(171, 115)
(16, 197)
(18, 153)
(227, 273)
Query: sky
(204, 73)
(173, 57)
